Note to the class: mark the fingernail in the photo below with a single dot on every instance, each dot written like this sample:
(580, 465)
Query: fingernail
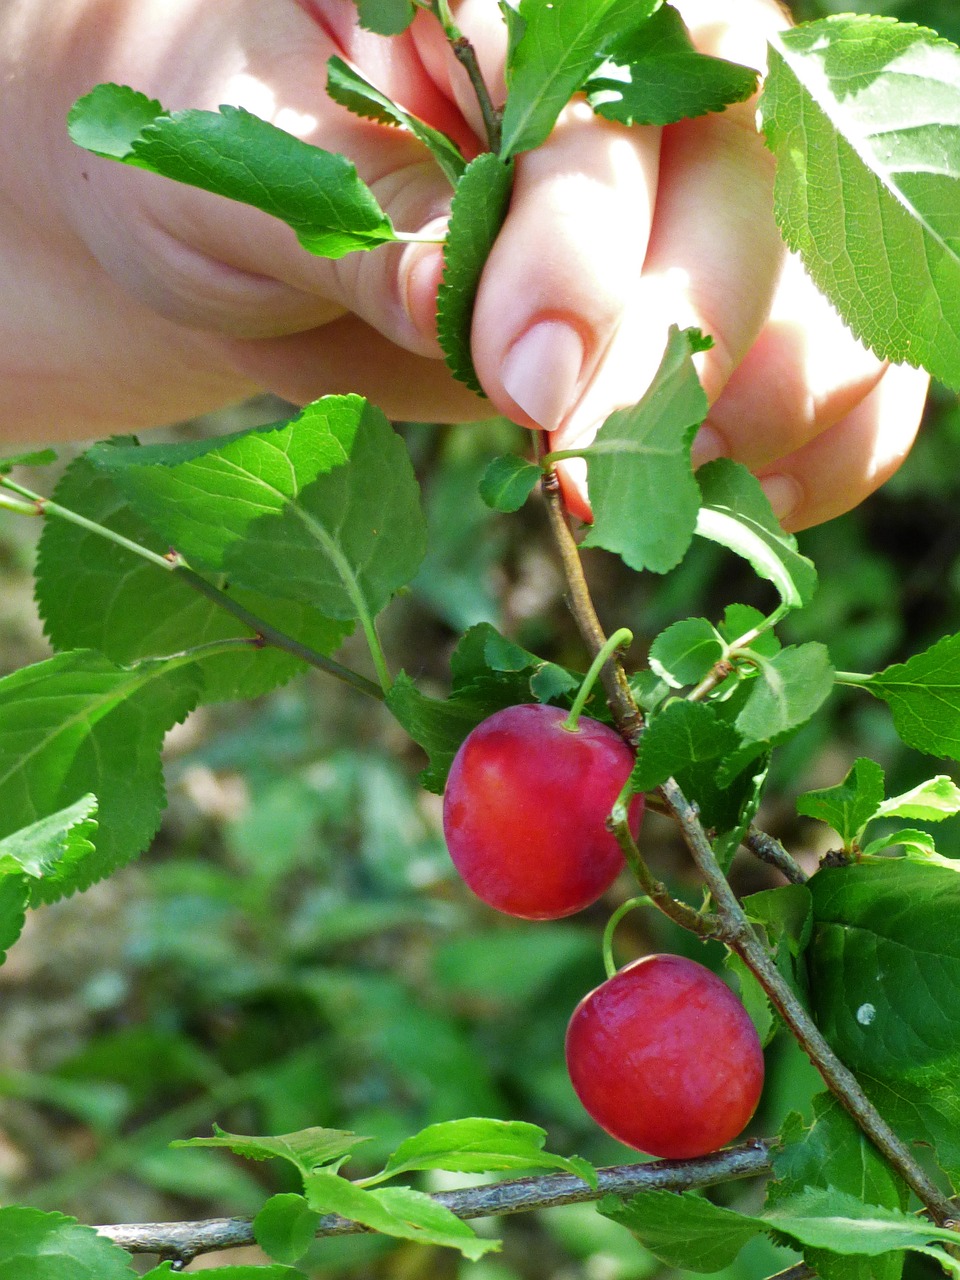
(708, 444)
(541, 371)
(783, 493)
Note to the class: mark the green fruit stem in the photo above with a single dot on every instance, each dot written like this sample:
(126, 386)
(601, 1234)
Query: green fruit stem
(621, 639)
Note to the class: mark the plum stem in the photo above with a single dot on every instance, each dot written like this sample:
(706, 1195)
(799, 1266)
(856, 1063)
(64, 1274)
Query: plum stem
(621, 639)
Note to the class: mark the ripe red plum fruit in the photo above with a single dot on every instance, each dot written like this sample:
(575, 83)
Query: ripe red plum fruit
(525, 808)
(665, 1058)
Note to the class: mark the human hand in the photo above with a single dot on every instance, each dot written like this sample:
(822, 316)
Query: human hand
(188, 301)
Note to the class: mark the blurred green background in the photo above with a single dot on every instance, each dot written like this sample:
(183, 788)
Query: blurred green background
(295, 949)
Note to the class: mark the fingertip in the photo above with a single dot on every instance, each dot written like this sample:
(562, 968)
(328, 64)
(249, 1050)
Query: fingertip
(418, 282)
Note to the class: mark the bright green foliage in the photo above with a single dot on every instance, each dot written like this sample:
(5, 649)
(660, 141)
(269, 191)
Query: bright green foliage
(737, 515)
(238, 155)
(95, 594)
(324, 510)
(789, 688)
(833, 1152)
(559, 46)
(77, 725)
(885, 976)
(488, 673)
(51, 1246)
(850, 805)
(479, 208)
(348, 87)
(395, 1211)
(481, 1146)
(862, 115)
(655, 76)
(685, 652)
(306, 1150)
(642, 491)
(683, 736)
(689, 1232)
(923, 695)
(165, 1272)
(36, 458)
(508, 482)
(386, 17)
(64, 836)
(285, 1227)
(14, 896)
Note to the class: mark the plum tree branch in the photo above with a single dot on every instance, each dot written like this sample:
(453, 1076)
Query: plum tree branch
(184, 1241)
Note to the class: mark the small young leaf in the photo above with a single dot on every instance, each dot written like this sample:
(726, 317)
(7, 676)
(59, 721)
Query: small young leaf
(306, 1149)
(75, 726)
(479, 208)
(508, 482)
(850, 805)
(324, 510)
(35, 850)
(685, 1231)
(736, 514)
(396, 1211)
(685, 652)
(868, 178)
(916, 844)
(285, 1227)
(789, 689)
(51, 1246)
(94, 594)
(682, 735)
(38, 458)
(236, 154)
(923, 695)
(479, 1146)
(657, 77)
(642, 490)
(739, 620)
(385, 17)
(552, 55)
(346, 86)
(930, 801)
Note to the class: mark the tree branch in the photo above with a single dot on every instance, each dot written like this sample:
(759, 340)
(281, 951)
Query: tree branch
(771, 851)
(184, 1241)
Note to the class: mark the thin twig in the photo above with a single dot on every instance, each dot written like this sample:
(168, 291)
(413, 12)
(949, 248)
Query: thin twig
(613, 677)
(705, 926)
(186, 1240)
(770, 850)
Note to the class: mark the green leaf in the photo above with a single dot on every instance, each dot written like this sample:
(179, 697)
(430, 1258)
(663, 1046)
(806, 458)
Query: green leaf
(884, 965)
(37, 458)
(736, 514)
(253, 1272)
(66, 835)
(786, 914)
(324, 510)
(685, 652)
(642, 490)
(930, 801)
(788, 689)
(916, 844)
(480, 1146)
(50, 1246)
(682, 735)
(351, 90)
(489, 673)
(830, 1219)
(850, 805)
(94, 594)
(306, 1149)
(834, 1152)
(75, 726)
(285, 1227)
(385, 17)
(14, 897)
(552, 55)
(396, 1211)
(476, 215)
(508, 482)
(855, 109)
(685, 1231)
(753, 998)
(657, 77)
(236, 154)
(740, 620)
(923, 695)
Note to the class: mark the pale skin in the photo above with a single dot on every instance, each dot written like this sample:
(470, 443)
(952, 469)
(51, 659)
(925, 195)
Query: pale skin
(127, 301)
